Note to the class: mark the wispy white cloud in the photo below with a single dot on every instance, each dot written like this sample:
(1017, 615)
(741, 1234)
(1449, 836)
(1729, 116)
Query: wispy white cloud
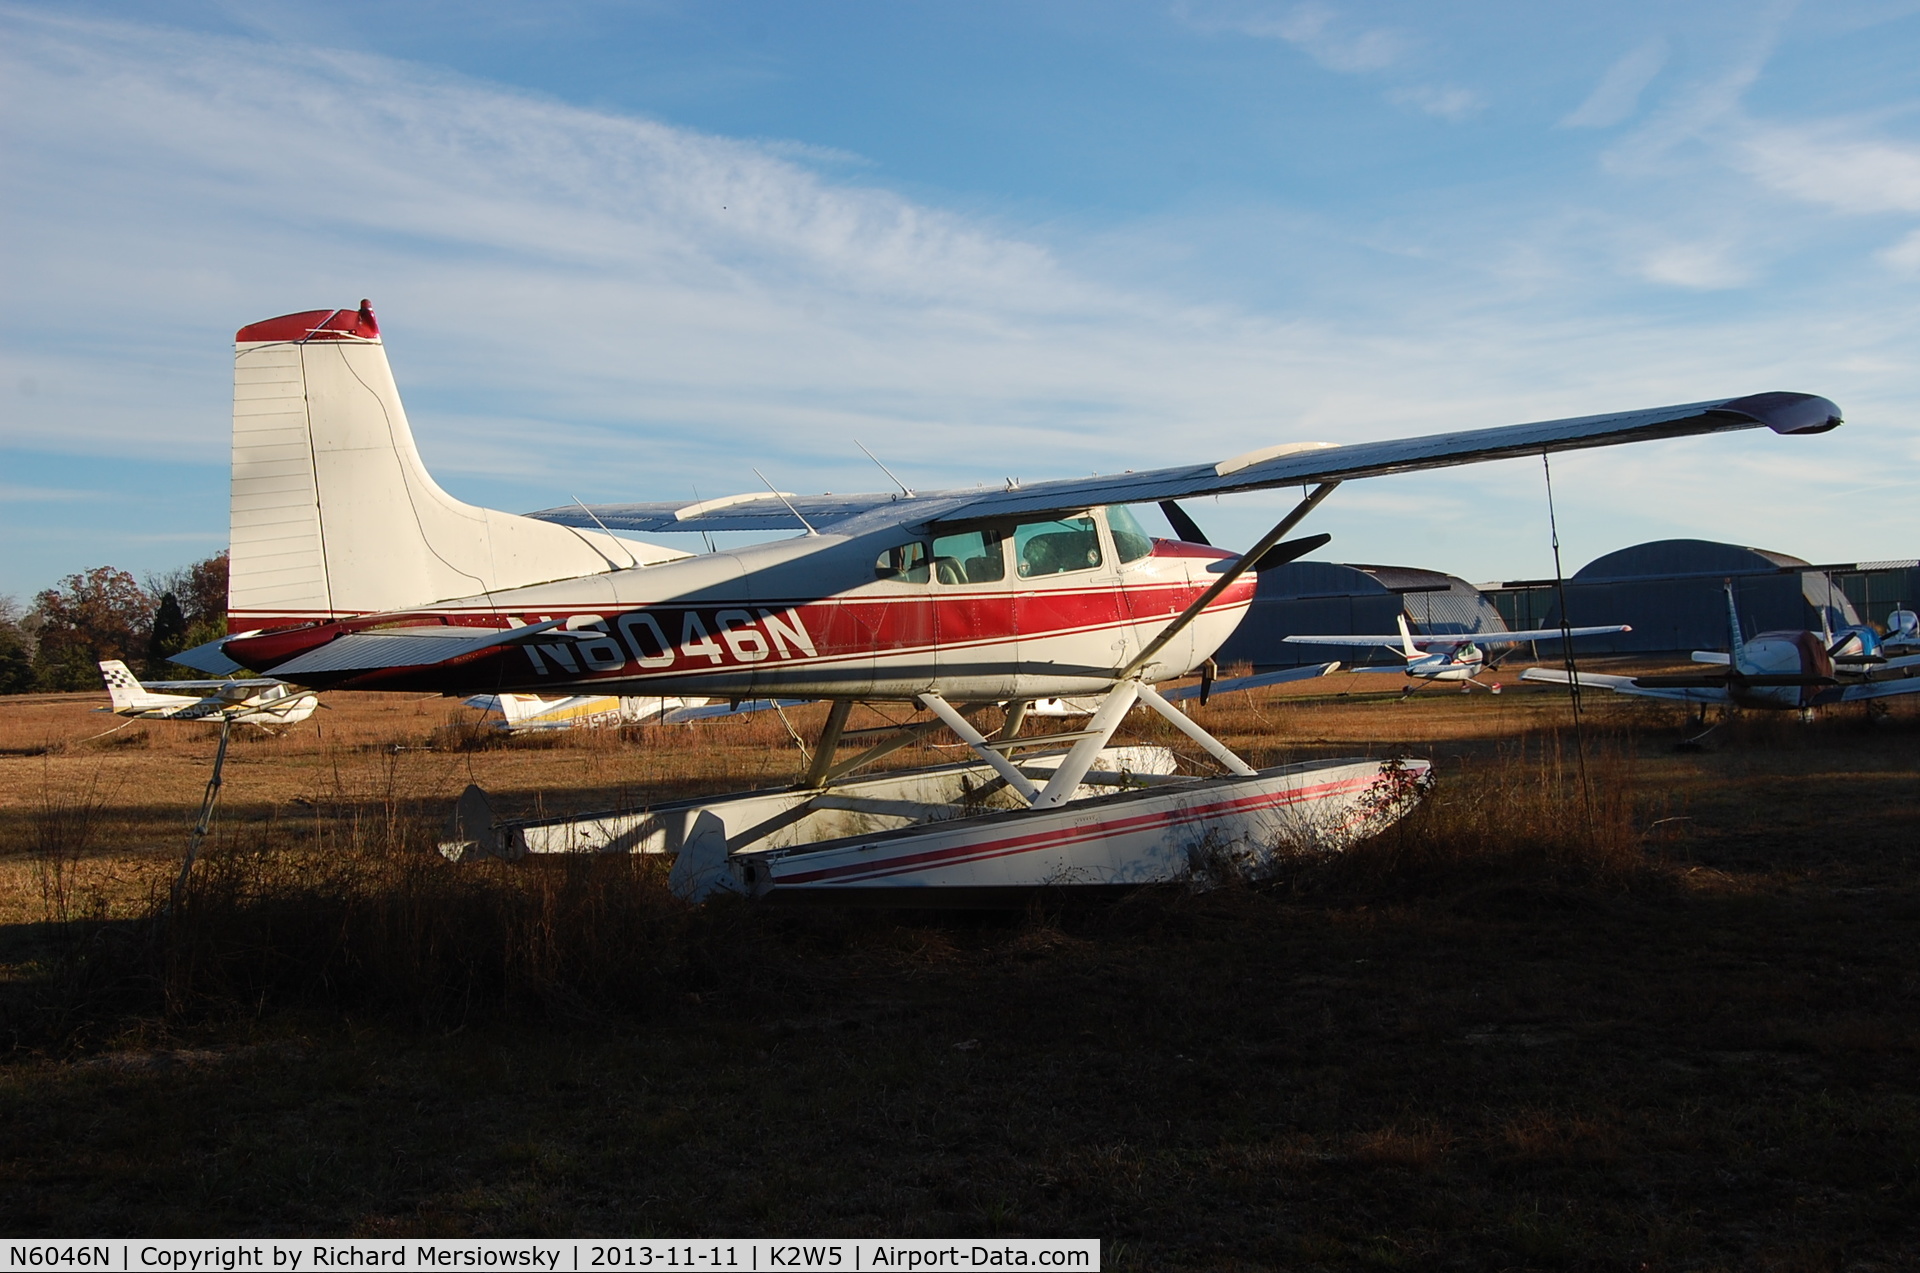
(1452, 104)
(1703, 266)
(1339, 44)
(1617, 96)
(1696, 109)
(1317, 30)
(1904, 255)
(11, 493)
(1833, 165)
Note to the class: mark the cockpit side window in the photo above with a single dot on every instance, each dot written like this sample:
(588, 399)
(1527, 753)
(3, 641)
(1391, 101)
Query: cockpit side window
(1130, 543)
(1056, 547)
(973, 556)
(905, 564)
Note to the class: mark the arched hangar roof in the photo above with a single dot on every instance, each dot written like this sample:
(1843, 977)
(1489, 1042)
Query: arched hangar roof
(1666, 558)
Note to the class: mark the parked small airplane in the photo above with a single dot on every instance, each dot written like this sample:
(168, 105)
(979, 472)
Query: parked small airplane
(255, 701)
(350, 567)
(530, 713)
(1449, 656)
(1773, 671)
(1903, 633)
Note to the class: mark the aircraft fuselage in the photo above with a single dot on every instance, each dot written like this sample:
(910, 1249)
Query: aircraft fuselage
(1002, 611)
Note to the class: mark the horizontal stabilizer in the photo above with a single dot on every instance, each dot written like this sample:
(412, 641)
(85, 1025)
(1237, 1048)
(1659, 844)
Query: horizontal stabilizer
(208, 657)
(402, 647)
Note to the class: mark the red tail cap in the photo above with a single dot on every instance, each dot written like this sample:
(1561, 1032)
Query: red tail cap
(313, 324)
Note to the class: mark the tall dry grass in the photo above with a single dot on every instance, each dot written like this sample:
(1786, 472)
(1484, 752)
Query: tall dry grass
(1535, 806)
(372, 920)
(347, 908)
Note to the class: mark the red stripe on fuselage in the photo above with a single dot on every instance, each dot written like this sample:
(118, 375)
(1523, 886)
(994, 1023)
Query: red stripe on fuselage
(838, 628)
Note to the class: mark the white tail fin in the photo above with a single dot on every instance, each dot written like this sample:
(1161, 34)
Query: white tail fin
(333, 513)
(1736, 644)
(128, 695)
(516, 708)
(1406, 638)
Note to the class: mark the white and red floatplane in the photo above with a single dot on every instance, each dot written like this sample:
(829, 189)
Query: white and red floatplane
(351, 568)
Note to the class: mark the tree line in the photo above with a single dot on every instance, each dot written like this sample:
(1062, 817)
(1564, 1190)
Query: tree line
(105, 613)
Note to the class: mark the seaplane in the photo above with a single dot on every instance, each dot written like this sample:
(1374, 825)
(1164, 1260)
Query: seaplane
(1448, 656)
(351, 568)
(263, 701)
(1772, 671)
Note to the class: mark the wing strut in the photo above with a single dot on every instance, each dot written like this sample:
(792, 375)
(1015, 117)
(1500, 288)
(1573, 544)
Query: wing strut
(1247, 561)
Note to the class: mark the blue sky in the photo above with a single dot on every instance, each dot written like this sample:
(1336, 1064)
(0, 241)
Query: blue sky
(627, 251)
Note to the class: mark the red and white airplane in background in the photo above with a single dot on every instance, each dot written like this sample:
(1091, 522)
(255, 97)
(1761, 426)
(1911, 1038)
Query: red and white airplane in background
(1448, 656)
(351, 568)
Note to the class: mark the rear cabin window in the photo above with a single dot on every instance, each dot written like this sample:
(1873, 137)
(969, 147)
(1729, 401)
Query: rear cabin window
(905, 564)
(1130, 543)
(972, 557)
(1056, 548)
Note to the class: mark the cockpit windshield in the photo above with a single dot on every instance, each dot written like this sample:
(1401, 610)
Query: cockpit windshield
(1130, 543)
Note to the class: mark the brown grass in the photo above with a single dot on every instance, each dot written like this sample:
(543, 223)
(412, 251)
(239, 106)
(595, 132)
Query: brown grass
(1675, 1031)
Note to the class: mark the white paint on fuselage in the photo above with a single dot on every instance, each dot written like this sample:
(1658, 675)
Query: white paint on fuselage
(831, 578)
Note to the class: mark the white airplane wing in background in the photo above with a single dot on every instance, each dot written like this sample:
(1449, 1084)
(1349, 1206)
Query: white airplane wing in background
(1628, 685)
(1879, 689)
(1237, 683)
(1462, 638)
(1291, 464)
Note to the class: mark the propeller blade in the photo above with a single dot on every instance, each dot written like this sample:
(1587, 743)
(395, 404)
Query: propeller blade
(1281, 554)
(1185, 527)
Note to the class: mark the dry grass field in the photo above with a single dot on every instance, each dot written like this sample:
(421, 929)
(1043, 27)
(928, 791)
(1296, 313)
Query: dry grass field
(1665, 1018)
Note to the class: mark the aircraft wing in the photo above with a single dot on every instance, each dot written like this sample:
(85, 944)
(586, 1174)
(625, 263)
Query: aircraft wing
(708, 711)
(1352, 640)
(1233, 684)
(1879, 689)
(754, 510)
(1291, 464)
(253, 684)
(1462, 638)
(1628, 685)
(1526, 634)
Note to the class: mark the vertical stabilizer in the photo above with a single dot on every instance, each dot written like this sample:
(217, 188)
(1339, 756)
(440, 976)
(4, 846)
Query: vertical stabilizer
(1736, 644)
(1411, 650)
(128, 695)
(332, 512)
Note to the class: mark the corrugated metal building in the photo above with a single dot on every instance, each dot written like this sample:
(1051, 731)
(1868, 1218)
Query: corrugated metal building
(1671, 592)
(1316, 598)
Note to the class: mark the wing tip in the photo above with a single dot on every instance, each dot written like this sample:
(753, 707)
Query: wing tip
(1786, 413)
